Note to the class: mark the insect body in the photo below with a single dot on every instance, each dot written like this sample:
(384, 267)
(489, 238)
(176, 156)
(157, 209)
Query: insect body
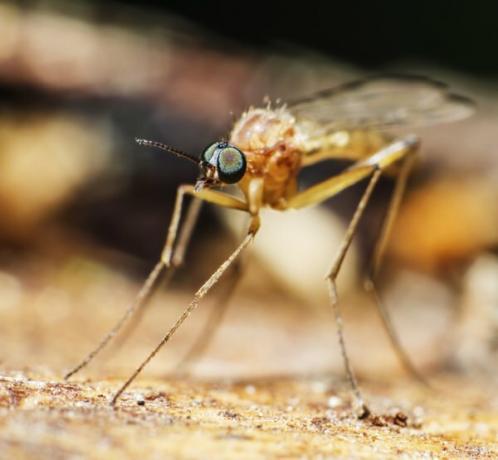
(266, 150)
(273, 147)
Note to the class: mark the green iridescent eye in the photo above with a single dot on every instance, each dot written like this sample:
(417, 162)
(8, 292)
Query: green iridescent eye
(208, 152)
(229, 161)
(231, 164)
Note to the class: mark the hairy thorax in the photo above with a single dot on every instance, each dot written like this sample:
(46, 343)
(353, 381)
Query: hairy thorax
(271, 142)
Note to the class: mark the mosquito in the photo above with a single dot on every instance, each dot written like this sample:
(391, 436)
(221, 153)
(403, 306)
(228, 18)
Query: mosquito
(265, 152)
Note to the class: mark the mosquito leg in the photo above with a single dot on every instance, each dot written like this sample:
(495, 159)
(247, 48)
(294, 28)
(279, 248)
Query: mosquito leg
(392, 211)
(202, 291)
(331, 278)
(368, 167)
(211, 196)
(140, 299)
(146, 290)
(391, 331)
(184, 237)
(186, 232)
(378, 255)
(215, 318)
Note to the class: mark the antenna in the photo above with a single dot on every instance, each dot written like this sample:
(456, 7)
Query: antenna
(167, 148)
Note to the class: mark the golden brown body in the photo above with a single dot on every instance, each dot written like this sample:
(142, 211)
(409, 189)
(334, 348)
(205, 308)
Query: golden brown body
(277, 146)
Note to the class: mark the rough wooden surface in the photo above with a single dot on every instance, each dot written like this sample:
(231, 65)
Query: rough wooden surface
(277, 418)
(234, 408)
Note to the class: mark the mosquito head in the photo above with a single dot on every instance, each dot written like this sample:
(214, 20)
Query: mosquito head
(219, 162)
(223, 162)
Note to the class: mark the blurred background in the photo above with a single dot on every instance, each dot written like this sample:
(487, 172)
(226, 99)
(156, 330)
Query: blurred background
(84, 210)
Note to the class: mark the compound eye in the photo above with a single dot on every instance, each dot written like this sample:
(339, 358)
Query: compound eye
(209, 151)
(231, 164)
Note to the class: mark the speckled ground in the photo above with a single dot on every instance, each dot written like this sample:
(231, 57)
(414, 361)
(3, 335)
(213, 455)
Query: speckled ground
(42, 417)
(270, 386)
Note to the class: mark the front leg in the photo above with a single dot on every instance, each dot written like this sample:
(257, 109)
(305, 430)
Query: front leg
(210, 196)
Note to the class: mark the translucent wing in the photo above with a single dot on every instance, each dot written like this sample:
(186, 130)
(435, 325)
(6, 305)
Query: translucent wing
(383, 102)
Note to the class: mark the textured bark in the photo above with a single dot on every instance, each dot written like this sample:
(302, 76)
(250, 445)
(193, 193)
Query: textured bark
(282, 418)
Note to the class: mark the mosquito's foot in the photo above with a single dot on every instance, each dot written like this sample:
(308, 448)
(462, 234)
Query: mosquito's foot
(363, 412)
(360, 409)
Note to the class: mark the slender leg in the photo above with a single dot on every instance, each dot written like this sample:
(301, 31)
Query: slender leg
(392, 211)
(140, 299)
(178, 256)
(331, 278)
(221, 305)
(204, 339)
(391, 331)
(186, 233)
(377, 258)
(210, 196)
(202, 291)
(371, 167)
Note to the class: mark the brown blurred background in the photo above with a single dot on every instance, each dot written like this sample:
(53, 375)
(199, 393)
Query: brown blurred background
(85, 210)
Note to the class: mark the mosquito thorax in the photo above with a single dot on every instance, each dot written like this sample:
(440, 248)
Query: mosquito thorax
(225, 161)
(271, 142)
(259, 129)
